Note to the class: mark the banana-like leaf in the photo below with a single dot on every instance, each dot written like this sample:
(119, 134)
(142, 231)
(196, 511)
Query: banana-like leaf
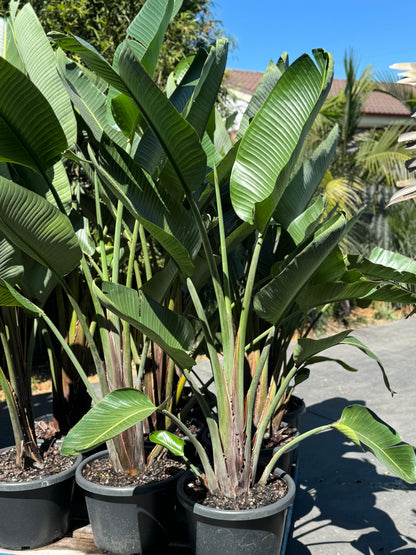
(264, 88)
(11, 263)
(365, 428)
(385, 265)
(41, 66)
(206, 90)
(150, 154)
(38, 228)
(125, 113)
(172, 442)
(8, 46)
(272, 301)
(326, 292)
(168, 329)
(307, 222)
(275, 135)
(165, 218)
(30, 133)
(306, 349)
(92, 58)
(90, 102)
(116, 412)
(148, 29)
(54, 183)
(10, 297)
(303, 186)
(177, 137)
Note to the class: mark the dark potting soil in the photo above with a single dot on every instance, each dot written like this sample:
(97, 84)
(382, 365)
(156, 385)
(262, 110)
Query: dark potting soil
(53, 463)
(101, 472)
(258, 496)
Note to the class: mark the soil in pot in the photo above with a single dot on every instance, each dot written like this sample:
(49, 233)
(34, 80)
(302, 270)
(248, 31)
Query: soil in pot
(130, 514)
(285, 434)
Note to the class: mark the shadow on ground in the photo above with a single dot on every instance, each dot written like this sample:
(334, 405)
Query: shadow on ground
(336, 498)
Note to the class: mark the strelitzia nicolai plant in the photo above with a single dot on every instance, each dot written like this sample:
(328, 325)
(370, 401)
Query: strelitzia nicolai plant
(259, 169)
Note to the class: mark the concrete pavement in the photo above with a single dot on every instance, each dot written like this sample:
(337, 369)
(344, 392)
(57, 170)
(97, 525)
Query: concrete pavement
(347, 502)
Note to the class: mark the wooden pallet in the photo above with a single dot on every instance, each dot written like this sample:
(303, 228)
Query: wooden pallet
(79, 542)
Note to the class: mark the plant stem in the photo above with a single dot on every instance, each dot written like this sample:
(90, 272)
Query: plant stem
(269, 468)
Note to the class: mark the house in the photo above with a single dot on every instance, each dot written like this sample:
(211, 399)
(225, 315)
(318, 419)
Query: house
(380, 109)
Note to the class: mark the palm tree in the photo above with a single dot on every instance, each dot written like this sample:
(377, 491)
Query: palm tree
(365, 162)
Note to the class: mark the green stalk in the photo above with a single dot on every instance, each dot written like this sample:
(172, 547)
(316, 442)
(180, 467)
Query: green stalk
(261, 430)
(229, 344)
(259, 338)
(251, 394)
(223, 399)
(100, 228)
(71, 356)
(145, 250)
(127, 370)
(238, 393)
(117, 241)
(269, 468)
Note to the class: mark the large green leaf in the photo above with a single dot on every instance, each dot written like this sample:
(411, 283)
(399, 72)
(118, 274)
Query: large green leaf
(272, 301)
(148, 29)
(53, 185)
(38, 228)
(10, 297)
(30, 133)
(307, 222)
(8, 46)
(11, 263)
(177, 137)
(91, 57)
(327, 292)
(274, 136)
(116, 412)
(363, 427)
(306, 349)
(303, 186)
(206, 91)
(166, 219)
(268, 81)
(170, 330)
(41, 66)
(91, 103)
(385, 265)
(149, 154)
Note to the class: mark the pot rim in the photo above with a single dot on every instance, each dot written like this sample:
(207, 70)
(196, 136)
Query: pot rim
(246, 514)
(44, 482)
(114, 491)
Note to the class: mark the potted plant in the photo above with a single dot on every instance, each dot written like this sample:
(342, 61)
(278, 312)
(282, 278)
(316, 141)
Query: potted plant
(36, 483)
(259, 172)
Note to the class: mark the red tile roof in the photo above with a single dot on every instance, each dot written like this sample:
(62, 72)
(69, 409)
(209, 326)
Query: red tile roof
(377, 104)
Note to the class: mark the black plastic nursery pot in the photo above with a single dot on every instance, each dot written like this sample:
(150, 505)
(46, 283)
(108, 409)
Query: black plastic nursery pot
(285, 462)
(126, 520)
(294, 411)
(247, 532)
(37, 512)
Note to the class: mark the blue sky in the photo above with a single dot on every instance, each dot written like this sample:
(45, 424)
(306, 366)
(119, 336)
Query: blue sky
(380, 32)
